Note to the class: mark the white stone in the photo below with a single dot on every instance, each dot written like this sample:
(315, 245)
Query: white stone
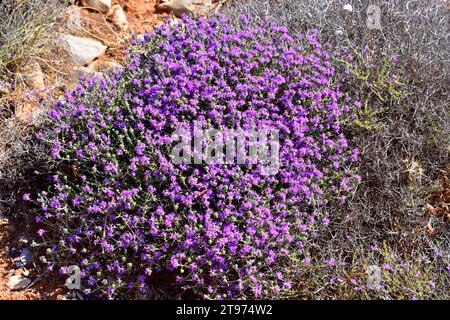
(23, 239)
(18, 282)
(348, 8)
(73, 20)
(118, 17)
(177, 7)
(338, 33)
(100, 5)
(26, 257)
(82, 50)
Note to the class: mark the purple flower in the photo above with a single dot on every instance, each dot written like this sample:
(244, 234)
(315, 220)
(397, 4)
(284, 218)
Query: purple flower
(386, 266)
(140, 148)
(131, 210)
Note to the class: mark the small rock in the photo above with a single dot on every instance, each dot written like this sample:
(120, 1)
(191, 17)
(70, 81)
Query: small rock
(82, 50)
(18, 282)
(23, 239)
(118, 17)
(348, 8)
(73, 21)
(32, 75)
(176, 7)
(100, 5)
(104, 66)
(25, 258)
(338, 33)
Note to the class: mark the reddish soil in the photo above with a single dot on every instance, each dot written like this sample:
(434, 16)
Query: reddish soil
(141, 18)
(140, 14)
(6, 266)
(41, 288)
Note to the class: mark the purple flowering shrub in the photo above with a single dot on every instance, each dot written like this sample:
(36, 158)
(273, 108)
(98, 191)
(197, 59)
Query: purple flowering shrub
(123, 210)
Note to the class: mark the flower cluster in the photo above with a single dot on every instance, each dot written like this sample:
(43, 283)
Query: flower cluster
(121, 210)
